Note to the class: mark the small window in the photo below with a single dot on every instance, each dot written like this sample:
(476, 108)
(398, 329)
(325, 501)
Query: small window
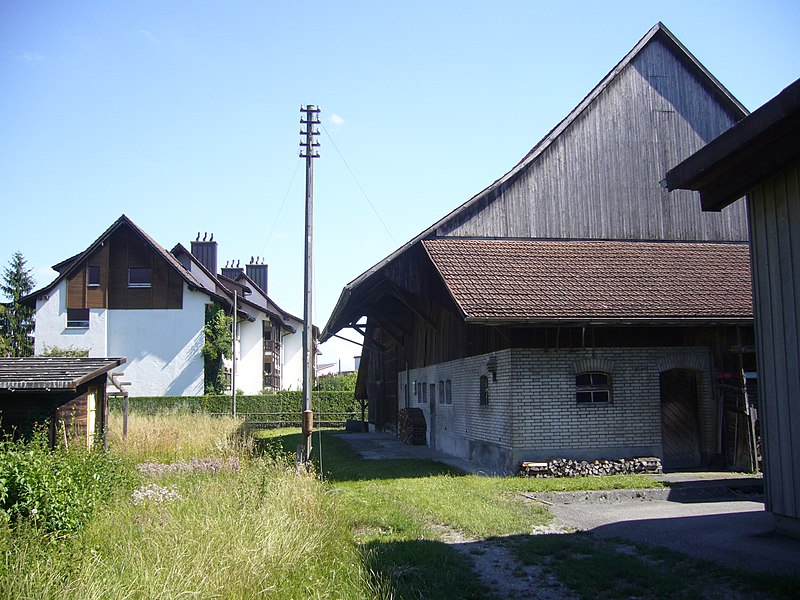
(433, 393)
(93, 276)
(441, 392)
(484, 390)
(77, 318)
(448, 391)
(593, 388)
(424, 389)
(140, 277)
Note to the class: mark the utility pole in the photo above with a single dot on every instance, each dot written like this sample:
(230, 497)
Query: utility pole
(308, 144)
(233, 354)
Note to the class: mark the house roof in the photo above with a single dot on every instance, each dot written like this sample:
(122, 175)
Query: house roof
(757, 147)
(52, 373)
(528, 281)
(341, 312)
(76, 261)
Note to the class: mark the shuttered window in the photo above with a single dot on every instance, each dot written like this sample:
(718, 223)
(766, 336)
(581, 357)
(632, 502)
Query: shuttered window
(77, 318)
(140, 277)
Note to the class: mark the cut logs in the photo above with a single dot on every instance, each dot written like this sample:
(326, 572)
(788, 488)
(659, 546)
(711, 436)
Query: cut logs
(564, 467)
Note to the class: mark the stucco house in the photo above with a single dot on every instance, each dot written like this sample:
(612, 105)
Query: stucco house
(126, 295)
(574, 308)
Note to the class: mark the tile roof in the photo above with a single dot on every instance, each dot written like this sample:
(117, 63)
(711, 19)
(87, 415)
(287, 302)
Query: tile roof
(530, 281)
(41, 373)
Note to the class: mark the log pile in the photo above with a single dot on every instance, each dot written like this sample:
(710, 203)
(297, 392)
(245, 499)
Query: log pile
(563, 467)
(412, 426)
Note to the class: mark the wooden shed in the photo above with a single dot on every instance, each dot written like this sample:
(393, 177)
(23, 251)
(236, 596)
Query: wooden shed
(760, 157)
(67, 394)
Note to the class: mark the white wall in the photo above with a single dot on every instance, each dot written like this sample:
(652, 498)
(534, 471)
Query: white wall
(250, 357)
(292, 357)
(51, 326)
(163, 347)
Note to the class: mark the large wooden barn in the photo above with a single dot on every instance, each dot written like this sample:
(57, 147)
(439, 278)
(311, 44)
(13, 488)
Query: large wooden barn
(574, 308)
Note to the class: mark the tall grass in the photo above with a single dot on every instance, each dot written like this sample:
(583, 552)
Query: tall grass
(257, 527)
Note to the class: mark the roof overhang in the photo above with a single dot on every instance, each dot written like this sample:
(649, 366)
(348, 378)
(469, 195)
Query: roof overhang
(47, 374)
(758, 146)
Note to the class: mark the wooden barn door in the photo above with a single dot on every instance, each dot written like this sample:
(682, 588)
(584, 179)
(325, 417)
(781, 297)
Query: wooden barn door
(679, 419)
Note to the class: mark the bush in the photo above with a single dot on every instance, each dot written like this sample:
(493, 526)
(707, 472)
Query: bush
(286, 402)
(55, 489)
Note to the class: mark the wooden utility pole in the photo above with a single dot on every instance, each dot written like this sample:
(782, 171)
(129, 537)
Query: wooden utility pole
(309, 144)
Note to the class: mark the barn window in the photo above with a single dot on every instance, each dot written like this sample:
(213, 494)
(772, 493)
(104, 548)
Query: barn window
(93, 276)
(77, 318)
(140, 277)
(424, 395)
(433, 393)
(441, 392)
(448, 391)
(484, 390)
(593, 388)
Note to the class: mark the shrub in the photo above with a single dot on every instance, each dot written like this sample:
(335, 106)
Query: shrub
(55, 489)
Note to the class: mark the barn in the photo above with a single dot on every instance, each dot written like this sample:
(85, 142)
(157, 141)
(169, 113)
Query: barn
(65, 394)
(574, 308)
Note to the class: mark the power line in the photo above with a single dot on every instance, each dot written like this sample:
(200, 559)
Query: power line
(283, 203)
(358, 183)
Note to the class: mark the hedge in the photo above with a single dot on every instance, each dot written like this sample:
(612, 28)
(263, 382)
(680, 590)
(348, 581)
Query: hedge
(278, 402)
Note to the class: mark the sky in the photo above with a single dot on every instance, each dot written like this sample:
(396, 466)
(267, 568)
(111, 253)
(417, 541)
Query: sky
(185, 116)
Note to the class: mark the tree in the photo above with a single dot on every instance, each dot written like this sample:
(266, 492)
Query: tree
(218, 340)
(16, 321)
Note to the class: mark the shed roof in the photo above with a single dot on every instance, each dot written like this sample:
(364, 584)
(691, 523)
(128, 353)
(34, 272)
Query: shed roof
(52, 373)
(529, 281)
(755, 148)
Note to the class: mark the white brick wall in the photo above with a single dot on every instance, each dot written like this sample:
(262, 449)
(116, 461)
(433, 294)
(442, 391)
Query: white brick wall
(532, 413)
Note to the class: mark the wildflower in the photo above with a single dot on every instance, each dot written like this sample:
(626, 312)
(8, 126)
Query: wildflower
(155, 493)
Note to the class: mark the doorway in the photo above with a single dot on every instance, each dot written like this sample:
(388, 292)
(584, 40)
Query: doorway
(680, 422)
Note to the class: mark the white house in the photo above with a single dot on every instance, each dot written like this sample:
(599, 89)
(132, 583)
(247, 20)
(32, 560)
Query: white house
(125, 295)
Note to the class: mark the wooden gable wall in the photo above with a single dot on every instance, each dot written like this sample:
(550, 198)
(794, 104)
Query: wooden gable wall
(599, 179)
(122, 250)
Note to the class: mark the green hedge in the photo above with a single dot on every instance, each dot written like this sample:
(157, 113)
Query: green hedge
(279, 402)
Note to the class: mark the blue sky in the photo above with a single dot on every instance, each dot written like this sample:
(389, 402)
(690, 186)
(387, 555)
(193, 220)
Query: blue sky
(185, 115)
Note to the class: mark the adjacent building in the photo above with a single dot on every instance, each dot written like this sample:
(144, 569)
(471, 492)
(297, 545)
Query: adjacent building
(126, 295)
(574, 308)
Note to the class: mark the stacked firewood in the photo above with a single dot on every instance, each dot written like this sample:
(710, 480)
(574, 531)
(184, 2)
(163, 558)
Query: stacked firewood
(412, 426)
(563, 467)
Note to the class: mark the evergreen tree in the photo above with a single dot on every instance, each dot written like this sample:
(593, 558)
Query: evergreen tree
(16, 320)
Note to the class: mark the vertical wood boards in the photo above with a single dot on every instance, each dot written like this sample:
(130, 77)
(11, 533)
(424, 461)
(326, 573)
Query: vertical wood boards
(775, 221)
(599, 179)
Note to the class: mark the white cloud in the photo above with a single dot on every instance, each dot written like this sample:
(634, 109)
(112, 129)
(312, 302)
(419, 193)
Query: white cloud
(337, 120)
(30, 57)
(149, 37)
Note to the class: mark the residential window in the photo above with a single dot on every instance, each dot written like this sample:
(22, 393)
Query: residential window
(593, 388)
(140, 277)
(448, 391)
(93, 276)
(77, 318)
(484, 390)
(441, 392)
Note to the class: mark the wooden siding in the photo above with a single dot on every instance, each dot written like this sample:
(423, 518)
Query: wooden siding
(81, 296)
(128, 250)
(775, 221)
(599, 179)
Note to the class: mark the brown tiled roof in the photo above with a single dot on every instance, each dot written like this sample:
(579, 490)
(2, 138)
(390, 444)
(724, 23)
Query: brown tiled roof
(529, 281)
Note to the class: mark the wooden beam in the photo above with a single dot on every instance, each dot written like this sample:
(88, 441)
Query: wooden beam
(408, 302)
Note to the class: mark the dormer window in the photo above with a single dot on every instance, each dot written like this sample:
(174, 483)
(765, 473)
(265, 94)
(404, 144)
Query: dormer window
(140, 277)
(93, 276)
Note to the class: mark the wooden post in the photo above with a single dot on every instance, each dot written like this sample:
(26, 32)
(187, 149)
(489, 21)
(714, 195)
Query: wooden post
(125, 416)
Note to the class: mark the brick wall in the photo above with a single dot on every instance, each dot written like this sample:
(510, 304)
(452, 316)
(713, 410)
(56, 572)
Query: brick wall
(532, 413)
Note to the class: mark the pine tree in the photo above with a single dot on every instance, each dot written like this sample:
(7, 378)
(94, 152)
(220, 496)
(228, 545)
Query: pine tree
(16, 320)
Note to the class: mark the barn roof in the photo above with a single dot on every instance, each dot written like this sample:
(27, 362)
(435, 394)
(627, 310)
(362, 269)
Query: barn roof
(344, 311)
(528, 281)
(52, 373)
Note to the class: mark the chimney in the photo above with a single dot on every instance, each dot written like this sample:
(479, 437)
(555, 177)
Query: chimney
(232, 270)
(206, 252)
(257, 271)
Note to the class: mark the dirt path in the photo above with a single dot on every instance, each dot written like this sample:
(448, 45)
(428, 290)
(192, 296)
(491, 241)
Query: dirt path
(500, 571)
